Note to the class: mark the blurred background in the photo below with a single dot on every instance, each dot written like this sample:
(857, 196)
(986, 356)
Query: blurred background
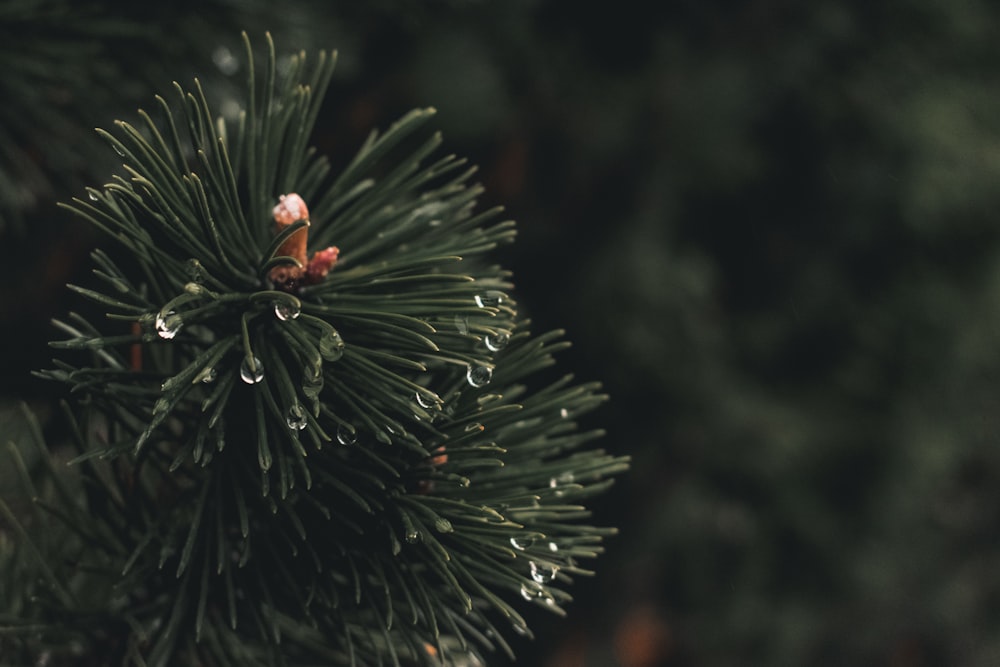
(769, 227)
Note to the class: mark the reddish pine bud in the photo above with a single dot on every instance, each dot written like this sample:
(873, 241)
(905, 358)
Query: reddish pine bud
(290, 208)
(320, 264)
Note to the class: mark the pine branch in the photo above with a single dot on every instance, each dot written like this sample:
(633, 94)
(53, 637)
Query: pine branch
(289, 451)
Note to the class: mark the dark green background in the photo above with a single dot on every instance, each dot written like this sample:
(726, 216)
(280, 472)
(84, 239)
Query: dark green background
(770, 228)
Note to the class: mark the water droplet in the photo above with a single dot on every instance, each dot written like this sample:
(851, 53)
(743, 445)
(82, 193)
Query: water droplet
(252, 374)
(208, 375)
(522, 543)
(168, 324)
(346, 434)
(427, 400)
(331, 345)
(412, 536)
(496, 342)
(465, 482)
(553, 547)
(286, 311)
(296, 418)
(442, 525)
(532, 591)
(558, 482)
(312, 381)
(543, 573)
(92, 195)
(314, 372)
(118, 150)
(563, 478)
(489, 299)
(479, 376)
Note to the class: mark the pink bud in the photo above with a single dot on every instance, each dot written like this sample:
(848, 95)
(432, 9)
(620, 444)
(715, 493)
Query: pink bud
(290, 208)
(321, 263)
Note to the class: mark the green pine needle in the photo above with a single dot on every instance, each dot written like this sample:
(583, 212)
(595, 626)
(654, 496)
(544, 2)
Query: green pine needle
(357, 469)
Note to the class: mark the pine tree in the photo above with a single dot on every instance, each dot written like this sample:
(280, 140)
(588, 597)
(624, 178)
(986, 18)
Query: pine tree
(309, 425)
